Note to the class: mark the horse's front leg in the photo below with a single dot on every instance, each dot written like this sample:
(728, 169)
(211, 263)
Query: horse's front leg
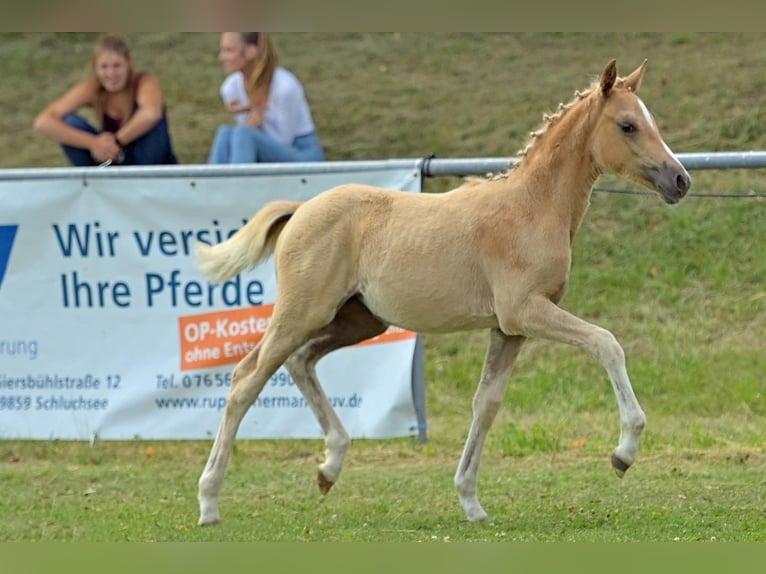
(542, 318)
(501, 355)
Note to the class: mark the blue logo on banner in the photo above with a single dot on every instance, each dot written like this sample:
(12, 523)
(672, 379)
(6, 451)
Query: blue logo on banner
(7, 235)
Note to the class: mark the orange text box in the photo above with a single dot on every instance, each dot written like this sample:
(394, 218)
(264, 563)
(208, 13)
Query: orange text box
(225, 337)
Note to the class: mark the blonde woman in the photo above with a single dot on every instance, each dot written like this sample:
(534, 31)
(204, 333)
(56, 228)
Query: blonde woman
(272, 114)
(129, 106)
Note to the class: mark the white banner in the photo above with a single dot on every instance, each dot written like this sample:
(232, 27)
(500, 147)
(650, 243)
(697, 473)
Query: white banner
(108, 331)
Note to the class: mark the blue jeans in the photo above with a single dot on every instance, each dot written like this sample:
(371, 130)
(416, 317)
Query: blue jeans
(152, 148)
(243, 144)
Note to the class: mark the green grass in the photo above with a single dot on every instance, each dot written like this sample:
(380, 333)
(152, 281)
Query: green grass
(387, 493)
(683, 288)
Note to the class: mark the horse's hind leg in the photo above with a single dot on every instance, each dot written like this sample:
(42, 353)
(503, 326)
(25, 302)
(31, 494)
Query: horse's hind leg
(501, 355)
(250, 376)
(352, 324)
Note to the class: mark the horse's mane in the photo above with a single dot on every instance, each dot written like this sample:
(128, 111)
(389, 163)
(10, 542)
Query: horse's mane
(551, 119)
(548, 121)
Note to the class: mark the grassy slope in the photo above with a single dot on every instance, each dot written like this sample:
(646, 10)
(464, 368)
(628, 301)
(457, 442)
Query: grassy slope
(684, 288)
(392, 95)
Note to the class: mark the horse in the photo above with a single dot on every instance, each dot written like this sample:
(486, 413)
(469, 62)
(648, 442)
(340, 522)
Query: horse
(493, 253)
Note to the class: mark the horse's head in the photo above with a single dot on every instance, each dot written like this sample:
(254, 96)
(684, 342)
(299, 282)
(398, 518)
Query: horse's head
(627, 140)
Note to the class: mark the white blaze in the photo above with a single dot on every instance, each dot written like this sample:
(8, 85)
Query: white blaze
(647, 115)
(650, 121)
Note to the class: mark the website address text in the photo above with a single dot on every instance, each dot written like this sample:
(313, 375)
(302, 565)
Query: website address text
(353, 401)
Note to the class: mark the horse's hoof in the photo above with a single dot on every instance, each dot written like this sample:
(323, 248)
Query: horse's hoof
(324, 484)
(473, 511)
(619, 465)
(214, 522)
(478, 517)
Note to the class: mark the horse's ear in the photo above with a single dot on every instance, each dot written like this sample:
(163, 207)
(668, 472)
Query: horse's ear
(608, 77)
(633, 81)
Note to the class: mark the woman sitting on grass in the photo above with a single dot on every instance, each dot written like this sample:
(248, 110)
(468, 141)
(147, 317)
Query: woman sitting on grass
(272, 115)
(129, 105)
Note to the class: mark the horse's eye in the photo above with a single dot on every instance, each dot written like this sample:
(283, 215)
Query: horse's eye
(628, 127)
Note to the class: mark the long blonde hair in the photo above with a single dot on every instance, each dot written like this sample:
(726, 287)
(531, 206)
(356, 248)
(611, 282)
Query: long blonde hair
(112, 43)
(259, 81)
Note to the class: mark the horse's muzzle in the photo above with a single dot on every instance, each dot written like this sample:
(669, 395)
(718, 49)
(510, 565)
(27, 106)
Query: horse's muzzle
(671, 181)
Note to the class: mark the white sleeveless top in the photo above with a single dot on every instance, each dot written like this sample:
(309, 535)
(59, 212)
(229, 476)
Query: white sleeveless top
(287, 114)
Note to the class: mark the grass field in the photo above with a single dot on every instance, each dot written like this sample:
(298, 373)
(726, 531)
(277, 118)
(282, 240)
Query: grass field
(683, 288)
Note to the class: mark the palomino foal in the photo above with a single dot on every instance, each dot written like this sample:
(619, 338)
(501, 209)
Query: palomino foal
(492, 254)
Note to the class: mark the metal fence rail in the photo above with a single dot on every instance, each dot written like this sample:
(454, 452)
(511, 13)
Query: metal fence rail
(428, 167)
(434, 167)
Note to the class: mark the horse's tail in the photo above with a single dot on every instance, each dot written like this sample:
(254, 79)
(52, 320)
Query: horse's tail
(249, 246)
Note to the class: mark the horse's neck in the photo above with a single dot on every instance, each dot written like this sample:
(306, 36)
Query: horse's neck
(560, 169)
